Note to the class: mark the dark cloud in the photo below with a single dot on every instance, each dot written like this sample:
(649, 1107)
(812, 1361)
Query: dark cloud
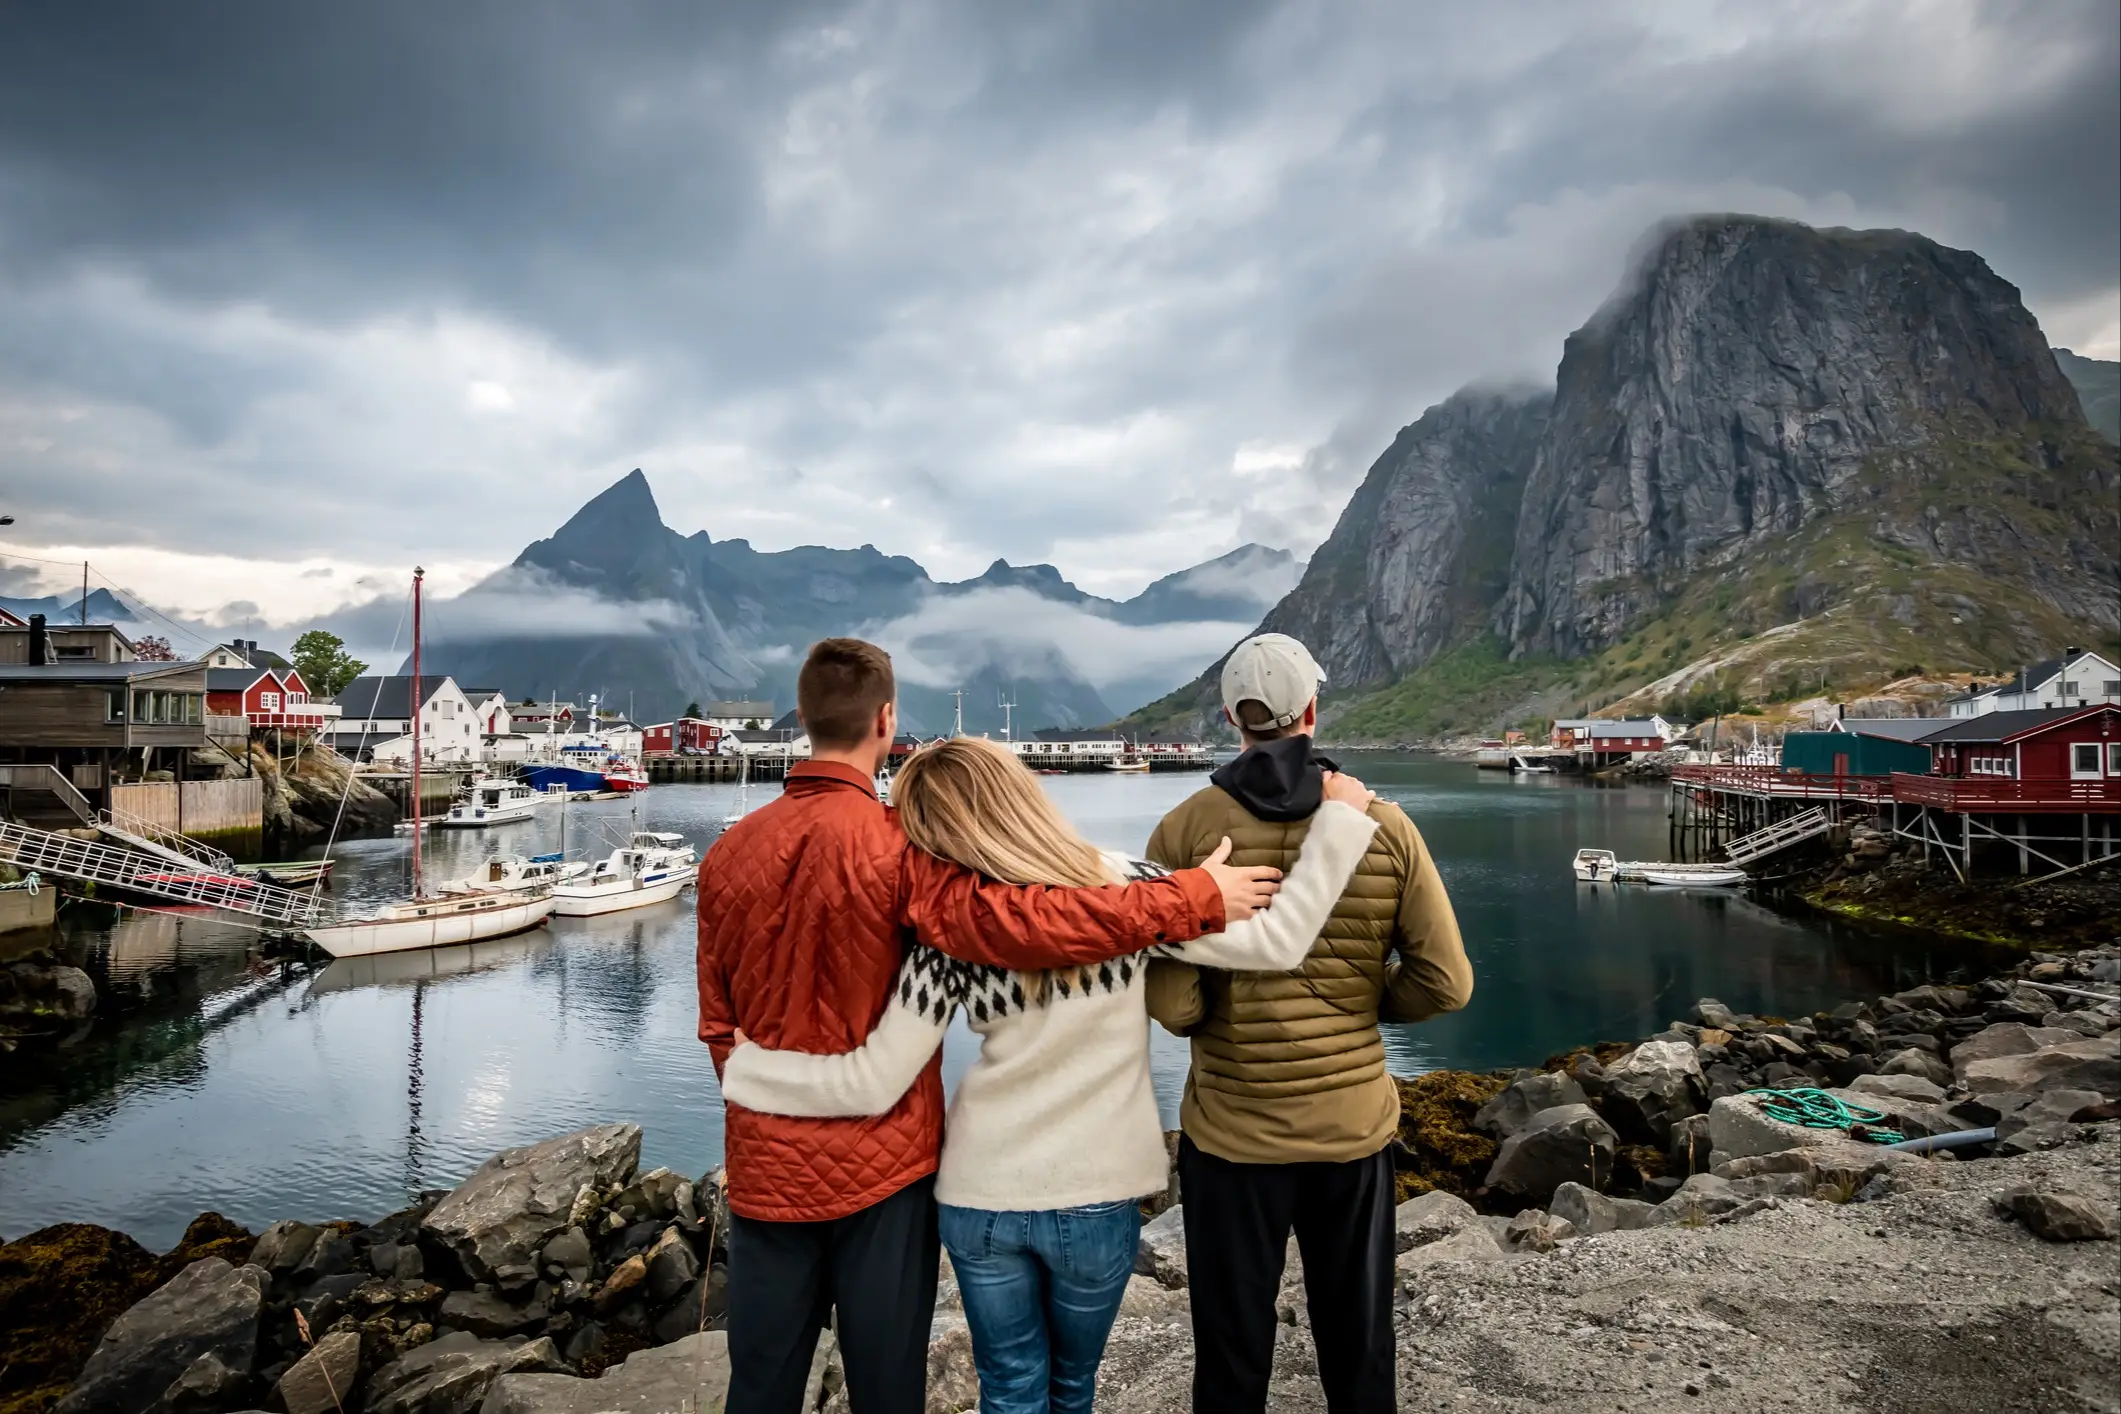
(369, 281)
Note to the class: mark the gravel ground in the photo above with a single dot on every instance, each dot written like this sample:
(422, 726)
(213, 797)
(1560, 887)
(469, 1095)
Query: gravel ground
(1923, 1300)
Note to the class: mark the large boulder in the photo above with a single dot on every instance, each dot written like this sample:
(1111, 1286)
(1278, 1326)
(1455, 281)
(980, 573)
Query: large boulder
(1651, 1088)
(1590, 1212)
(2060, 1215)
(1430, 1217)
(1701, 1197)
(326, 1378)
(2006, 1038)
(1162, 1253)
(198, 1330)
(1514, 1106)
(1474, 1243)
(1566, 1144)
(1738, 1128)
(2080, 1064)
(451, 1374)
(1900, 1086)
(497, 1220)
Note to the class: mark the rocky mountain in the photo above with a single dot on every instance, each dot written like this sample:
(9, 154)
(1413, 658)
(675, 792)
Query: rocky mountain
(618, 603)
(1754, 376)
(1859, 440)
(104, 607)
(2098, 385)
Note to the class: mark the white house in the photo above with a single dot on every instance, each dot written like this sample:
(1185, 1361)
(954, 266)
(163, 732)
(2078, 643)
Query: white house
(375, 710)
(490, 706)
(2076, 679)
(1056, 747)
(739, 716)
(768, 742)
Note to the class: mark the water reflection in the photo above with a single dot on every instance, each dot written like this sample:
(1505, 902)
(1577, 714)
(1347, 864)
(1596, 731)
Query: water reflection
(222, 1079)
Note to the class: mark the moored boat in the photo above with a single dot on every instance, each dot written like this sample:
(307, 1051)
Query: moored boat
(651, 867)
(1693, 876)
(293, 874)
(492, 800)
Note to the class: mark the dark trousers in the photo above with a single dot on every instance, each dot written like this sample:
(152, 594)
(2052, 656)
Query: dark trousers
(875, 1267)
(1238, 1220)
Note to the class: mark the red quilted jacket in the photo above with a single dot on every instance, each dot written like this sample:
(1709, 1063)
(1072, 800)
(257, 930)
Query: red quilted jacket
(805, 907)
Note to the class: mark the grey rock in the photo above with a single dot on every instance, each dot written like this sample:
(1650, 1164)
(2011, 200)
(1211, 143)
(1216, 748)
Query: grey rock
(1900, 1085)
(1757, 376)
(1473, 1243)
(2049, 1107)
(326, 1378)
(451, 1374)
(485, 1314)
(2008, 1038)
(498, 1219)
(1566, 1144)
(1653, 1087)
(672, 1267)
(1799, 1184)
(1590, 1212)
(1162, 1253)
(1536, 1230)
(1689, 1150)
(281, 1247)
(1700, 1198)
(2084, 1023)
(2058, 1215)
(206, 1313)
(1428, 1217)
(1912, 1118)
(688, 1374)
(571, 1253)
(1714, 1013)
(1916, 1064)
(45, 992)
(1518, 1101)
(2080, 1064)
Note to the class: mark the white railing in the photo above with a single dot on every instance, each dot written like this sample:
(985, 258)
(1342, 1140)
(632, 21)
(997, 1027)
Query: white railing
(69, 857)
(159, 838)
(1779, 836)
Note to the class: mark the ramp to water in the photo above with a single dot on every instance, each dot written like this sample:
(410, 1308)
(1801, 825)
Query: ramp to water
(1773, 839)
(153, 874)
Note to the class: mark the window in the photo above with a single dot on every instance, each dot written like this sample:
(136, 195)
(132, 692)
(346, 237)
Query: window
(2070, 689)
(2084, 758)
(2113, 688)
(268, 701)
(2113, 758)
(194, 708)
(115, 710)
(85, 653)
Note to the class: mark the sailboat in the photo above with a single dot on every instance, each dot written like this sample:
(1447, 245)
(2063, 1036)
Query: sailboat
(743, 788)
(515, 895)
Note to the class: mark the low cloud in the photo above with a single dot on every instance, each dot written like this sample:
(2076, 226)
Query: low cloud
(521, 601)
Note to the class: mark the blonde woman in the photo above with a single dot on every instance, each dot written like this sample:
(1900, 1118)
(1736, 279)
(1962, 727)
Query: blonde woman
(1054, 1132)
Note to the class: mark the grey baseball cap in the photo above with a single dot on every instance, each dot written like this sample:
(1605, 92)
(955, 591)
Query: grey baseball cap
(1273, 669)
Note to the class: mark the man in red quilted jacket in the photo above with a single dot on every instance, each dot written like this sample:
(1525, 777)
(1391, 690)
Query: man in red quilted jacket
(806, 906)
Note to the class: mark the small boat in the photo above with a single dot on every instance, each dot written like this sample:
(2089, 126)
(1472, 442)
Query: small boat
(292, 875)
(1521, 766)
(1596, 866)
(1693, 876)
(651, 867)
(1129, 767)
(492, 800)
(883, 785)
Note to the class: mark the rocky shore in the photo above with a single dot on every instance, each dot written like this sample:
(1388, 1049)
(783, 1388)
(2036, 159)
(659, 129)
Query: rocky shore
(1624, 1225)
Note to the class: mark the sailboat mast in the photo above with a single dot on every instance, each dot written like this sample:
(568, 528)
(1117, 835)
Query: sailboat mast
(418, 885)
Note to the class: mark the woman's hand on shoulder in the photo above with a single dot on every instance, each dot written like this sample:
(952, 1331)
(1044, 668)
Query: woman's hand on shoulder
(1348, 790)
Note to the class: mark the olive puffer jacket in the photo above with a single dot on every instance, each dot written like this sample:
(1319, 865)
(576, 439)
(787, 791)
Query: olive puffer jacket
(1289, 1067)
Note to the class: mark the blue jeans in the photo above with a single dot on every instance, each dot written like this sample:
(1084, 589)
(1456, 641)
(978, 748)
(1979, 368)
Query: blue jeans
(1040, 1291)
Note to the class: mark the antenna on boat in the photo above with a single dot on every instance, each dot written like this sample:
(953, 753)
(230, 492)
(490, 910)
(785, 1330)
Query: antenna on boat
(959, 729)
(1007, 702)
(418, 888)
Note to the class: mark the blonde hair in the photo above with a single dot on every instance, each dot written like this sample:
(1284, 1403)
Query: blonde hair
(970, 801)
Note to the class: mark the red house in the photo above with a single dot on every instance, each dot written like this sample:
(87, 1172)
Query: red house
(274, 698)
(687, 736)
(2047, 744)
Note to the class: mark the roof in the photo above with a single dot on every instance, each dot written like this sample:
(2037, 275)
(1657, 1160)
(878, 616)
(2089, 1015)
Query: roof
(762, 710)
(367, 698)
(2031, 676)
(1633, 726)
(479, 694)
(236, 679)
(2008, 726)
(74, 670)
(763, 735)
(790, 720)
(1894, 728)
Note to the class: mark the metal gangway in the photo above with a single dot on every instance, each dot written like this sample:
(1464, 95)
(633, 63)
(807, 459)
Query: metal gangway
(1772, 839)
(69, 856)
(146, 836)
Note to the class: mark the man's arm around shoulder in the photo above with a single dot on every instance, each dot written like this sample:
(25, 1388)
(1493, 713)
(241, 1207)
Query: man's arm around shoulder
(1172, 989)
(717, 1015)
(1429, 973)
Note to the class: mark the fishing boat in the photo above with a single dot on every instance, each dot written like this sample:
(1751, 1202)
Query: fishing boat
(492, 800)
(514, 895)
(575, 769)
(1128, 767)
(1599, 866)
(624, 775)
(651, 867)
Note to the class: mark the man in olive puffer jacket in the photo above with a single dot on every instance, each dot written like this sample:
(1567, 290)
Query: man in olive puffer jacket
(1288, 1114)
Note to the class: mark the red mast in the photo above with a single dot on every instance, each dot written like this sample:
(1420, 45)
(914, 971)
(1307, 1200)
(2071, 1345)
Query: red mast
(417, 575)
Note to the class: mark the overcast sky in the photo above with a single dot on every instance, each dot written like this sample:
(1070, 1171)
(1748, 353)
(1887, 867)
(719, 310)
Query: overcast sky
(292, 296)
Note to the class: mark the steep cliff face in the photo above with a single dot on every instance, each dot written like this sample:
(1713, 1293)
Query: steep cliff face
(1758, 375)
(1422, 550)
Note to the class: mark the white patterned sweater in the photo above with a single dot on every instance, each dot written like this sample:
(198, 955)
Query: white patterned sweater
(1057, 1111)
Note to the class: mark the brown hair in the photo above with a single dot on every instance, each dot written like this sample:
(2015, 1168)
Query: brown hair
(843, 684)
(1251, 711)
(969, 800)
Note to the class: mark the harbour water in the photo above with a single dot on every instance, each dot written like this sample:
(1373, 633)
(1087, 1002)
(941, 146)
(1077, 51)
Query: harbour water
(218, 1079)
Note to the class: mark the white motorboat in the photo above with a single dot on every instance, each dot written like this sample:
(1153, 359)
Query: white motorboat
(1596, 866)
(650, 867)
(1693, 876)
(493, 800)
(1524, 766)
